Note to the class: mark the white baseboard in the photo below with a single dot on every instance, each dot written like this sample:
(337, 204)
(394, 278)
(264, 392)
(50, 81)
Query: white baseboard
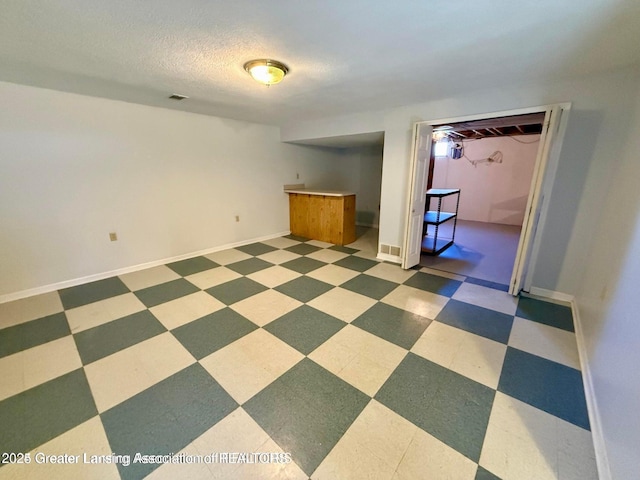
(121, 271)
(602, 461)
(551, 296)
(389, 258)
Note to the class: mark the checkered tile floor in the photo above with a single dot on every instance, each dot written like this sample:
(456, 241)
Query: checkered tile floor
(357, 368)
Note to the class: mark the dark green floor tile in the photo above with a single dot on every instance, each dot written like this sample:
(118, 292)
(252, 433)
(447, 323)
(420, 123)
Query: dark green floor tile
(92, 292)
(30, 334)
(484, 474)
(236, 290)
(372, 287)
(103, 340)
(212, 332)
(356, 263)
(306, 411)
(549, 386)
(303, 265)
(305, 328)
(481, 321)
(343, 249)
(486, 283)
(39, 414)
(303, 249)
(304, 289)
(394, 325)
(548, 313)
(433, 283)
(165, 292)
(166, 417)
(449, 406)
(256, 249)
(250, 265)
(192, 265)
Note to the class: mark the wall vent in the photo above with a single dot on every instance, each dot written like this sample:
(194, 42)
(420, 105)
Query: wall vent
(390, 250)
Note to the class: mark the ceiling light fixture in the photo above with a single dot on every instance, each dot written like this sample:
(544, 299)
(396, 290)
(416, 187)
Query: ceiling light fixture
(265, 71)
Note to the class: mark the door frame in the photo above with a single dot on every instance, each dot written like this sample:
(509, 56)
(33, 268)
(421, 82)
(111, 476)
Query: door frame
(546, 164)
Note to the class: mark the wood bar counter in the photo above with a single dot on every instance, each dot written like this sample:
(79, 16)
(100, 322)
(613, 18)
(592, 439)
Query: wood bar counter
(325, 215)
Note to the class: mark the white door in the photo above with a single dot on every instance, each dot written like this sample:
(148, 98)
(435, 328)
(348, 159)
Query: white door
(417, 195)
(534, 203)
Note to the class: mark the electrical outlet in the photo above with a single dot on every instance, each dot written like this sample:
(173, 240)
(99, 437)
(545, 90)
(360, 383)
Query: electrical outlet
(237, 218)
(113, 236)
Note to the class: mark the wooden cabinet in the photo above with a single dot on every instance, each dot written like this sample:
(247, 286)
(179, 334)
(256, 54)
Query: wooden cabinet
(325, 216)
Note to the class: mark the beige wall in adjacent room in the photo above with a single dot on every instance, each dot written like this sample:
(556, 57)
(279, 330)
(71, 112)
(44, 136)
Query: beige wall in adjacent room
(491, 192)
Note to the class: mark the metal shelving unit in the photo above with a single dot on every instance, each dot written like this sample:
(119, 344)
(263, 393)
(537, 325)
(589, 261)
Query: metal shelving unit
(433, 244)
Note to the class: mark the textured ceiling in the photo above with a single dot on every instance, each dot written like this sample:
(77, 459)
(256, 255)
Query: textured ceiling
(344, 55)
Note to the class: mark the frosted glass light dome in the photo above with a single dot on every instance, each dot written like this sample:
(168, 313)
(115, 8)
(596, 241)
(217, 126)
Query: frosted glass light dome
(265, 71)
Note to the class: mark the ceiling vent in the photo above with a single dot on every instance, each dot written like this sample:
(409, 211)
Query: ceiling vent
(177, 96)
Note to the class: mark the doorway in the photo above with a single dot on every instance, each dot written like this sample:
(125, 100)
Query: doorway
(424, 173)
(491, 161)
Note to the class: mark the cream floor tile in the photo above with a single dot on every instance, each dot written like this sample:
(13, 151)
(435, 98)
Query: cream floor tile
(211, 278)
(370, 346)
(370, 254)
(545, 341)
(265, 307)
(475, 357)
(523, 442)
(428, 457)
(277, 470)
(351, 460)
(278, 256)
(273, 276)
(393, 273)
(333, 356)
(87, 438)
(441, 273)
(31, 308)
(120, 376)
(327, 256)
(103, 311)
(148, 277)
(192, 471)
(34, 366)
(186, 309)
(319, 243)
(333, 274)
(425, 304)
(359, 358)
(365, 374)
(238, 432)
(487, 298)
(343, 304)
(281, 242)
(249, 364)
(383, 432)
(371, 448)
(225, 257)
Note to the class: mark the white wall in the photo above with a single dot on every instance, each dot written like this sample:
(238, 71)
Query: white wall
(491, 192)
(582, 252)
(609, 304)
(366, 182)
(74, 168)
